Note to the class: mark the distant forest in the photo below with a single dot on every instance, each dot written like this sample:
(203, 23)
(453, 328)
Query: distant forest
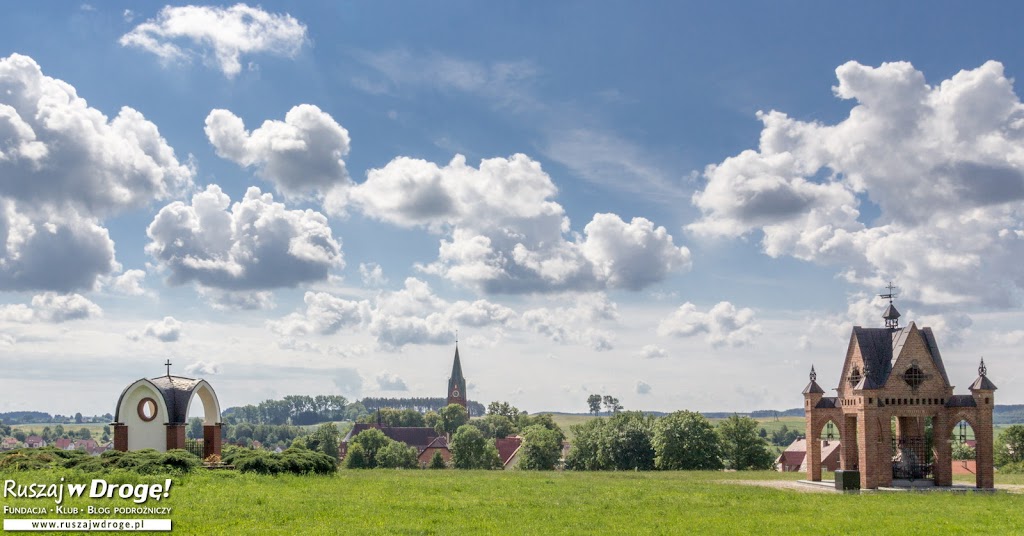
(420, 404)
(300, 410)
(38, 417)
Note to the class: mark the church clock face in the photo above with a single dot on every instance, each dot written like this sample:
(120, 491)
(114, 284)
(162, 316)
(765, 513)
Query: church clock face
(455, 393)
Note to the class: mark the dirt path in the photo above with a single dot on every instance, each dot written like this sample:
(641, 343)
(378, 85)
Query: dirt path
(782, 484)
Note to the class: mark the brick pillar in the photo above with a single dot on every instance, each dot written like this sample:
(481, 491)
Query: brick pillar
(175, 436)
(942, 468)
(813, 447)
(867, 449)
(211, 440)
(849, 437)
(983, 448)
(884, 448)
(120, 436)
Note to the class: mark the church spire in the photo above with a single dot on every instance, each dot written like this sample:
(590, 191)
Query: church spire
(457, 382)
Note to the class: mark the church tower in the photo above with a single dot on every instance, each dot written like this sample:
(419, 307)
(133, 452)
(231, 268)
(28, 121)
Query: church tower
(457, 383)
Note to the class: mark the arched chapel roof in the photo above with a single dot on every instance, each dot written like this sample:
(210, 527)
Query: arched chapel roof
(176, 392)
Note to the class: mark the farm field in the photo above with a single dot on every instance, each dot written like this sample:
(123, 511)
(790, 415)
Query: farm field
(521, 502)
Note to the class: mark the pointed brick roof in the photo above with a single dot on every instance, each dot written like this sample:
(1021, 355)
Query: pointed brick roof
(881, 347)
(813, 387)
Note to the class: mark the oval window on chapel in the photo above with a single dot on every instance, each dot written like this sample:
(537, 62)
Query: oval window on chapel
(147, 409)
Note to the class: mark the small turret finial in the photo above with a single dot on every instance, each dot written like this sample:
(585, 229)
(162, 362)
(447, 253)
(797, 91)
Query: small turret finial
(814, 375)
(982, 369)
(891, 315)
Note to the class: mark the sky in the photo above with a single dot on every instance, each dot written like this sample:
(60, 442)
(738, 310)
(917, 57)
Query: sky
(681, 205)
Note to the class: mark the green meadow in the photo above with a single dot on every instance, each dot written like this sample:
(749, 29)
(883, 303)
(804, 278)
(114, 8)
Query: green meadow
(523, 502)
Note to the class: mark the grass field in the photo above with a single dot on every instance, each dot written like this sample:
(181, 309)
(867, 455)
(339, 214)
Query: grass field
(522, 502)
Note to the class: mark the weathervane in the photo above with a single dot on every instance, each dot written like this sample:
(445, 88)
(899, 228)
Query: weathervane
(814, 375)
(982, 369)
(891, 315)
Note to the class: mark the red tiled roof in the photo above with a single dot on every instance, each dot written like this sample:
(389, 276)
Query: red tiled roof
(439, 442)
(414, 436)
(507, 447)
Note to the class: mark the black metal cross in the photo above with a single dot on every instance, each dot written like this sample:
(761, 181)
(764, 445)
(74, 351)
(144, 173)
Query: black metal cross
(890, 295)
(168, 364)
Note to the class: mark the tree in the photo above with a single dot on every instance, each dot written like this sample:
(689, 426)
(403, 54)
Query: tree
(20, 435)
(84, 433)
(611, 404)
(326, 438)
(371, 441)
(622, 442)
(471, 450)
(962, 451)
(504, 409)
(452, 417)
(741, 447)
(195, 428)
(629, 441)
(437, 461)
(1009, 447)
(586, 453)
(594, 401)
(686, 440)
(78, 418)
(541, 448)
(356, 458)
(397, 455)
(498, 425)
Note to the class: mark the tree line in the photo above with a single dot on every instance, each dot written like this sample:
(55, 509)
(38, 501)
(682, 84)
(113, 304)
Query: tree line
(420, 404)
(684, 440)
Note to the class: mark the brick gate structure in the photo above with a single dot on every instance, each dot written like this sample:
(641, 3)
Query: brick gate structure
(894, 385)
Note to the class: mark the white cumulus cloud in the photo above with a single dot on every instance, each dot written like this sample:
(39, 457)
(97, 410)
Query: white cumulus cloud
(166, 330)
(942, 165)
(652, 351)
(722, 325)
(301, 155)
(203, 368)
(502, 232)
(65, 166)
(51, 307)
(387, 381)
(252, 245)
(220, 35)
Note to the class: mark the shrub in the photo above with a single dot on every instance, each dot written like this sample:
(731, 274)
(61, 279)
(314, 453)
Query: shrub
(397, 455)
(356, 458)
(437, 462)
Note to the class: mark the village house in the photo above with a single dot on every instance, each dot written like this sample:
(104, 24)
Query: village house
(794, 458)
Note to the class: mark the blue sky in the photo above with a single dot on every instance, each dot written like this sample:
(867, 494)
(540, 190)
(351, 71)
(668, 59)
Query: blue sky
(601, 197)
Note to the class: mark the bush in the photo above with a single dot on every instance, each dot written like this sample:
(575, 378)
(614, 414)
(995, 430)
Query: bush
(437, 462)
(146, 461)
(356, 458)
(1012, 468)
(397, 455)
